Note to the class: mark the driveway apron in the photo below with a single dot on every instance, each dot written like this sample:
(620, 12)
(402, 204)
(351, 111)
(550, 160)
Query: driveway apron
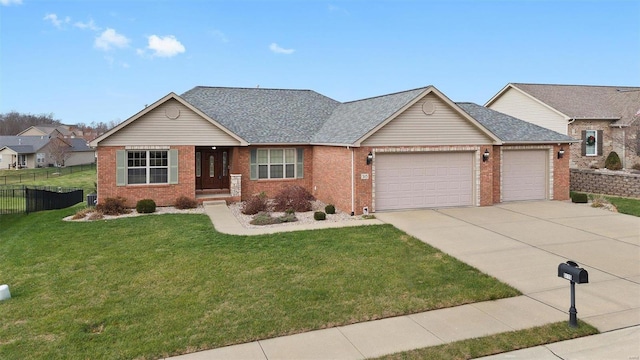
(522, 243)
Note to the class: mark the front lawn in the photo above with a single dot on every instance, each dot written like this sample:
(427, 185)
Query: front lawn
(160, 285)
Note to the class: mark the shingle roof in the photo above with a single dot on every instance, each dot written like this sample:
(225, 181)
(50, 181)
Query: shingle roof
(352, 120)
(282, 116)
(26, 144)
(78, 144)
(619, 103)
(264, 116)
(510, 129)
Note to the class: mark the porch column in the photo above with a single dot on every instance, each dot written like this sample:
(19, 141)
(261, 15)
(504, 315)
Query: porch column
(236, 185)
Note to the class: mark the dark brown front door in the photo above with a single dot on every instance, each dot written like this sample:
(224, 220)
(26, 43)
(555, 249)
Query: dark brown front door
(212, 169)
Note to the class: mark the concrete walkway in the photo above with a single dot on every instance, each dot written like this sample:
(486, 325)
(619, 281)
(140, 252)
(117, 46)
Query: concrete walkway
(518, 243)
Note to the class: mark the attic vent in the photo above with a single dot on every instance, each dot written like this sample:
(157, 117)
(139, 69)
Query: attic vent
(428, 107)
(172, 112)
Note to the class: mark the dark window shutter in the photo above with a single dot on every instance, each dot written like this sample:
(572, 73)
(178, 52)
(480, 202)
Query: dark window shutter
(638, 143)
(583, 150)
(599, 141)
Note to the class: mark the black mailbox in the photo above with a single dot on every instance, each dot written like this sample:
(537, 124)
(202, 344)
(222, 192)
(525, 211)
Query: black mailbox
(575, 274)
(572, 272)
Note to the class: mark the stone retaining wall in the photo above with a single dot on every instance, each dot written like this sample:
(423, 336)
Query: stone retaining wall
(606, 182)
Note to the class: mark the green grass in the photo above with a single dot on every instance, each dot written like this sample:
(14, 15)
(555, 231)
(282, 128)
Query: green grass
(83, 177)
(161, 285)
(629, 206)
(625, 205)
(499, 343)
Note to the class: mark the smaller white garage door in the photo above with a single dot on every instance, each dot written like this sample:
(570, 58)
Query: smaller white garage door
(423, 180)
(524, 175)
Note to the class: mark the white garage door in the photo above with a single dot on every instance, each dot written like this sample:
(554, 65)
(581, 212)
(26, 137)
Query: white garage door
(524, 175)
(423, 180)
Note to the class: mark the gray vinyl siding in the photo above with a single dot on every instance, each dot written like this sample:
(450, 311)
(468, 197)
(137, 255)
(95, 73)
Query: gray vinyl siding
(155, 128)
(445, 126)
(80, 158)
(520, 106)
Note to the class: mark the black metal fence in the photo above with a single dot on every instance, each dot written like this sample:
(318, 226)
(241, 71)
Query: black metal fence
(9, 177)
(27, 199)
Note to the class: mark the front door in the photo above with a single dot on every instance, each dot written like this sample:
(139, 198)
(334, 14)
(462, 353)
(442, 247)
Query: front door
(212, 169)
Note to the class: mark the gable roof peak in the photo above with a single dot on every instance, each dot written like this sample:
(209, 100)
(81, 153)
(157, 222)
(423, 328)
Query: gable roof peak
(390, 94)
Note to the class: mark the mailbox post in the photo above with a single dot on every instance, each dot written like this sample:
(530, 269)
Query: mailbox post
(574, 274)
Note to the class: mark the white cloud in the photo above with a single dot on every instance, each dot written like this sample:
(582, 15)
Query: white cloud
(88, 25)
(166, 46)
(110, 39)
(55, 21)
(10, 2)
(279, 50)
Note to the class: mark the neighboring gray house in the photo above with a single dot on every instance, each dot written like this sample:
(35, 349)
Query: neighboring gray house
(17, 152)
(604, 118)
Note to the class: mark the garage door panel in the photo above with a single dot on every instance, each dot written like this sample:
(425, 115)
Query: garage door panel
(524, 175)
(435, 180)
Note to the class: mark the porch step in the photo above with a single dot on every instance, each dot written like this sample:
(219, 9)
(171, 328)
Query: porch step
(223, 197)
(214, 202)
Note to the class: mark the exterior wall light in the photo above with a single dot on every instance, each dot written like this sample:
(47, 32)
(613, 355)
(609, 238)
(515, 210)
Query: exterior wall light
(561, 153)
(369, 158)
(485, 156)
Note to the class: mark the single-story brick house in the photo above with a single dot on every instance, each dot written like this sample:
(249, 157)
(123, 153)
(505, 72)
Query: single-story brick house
(603, 118)
(411, 149)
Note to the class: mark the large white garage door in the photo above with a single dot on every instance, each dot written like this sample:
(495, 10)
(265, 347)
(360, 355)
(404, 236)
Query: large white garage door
(423, 180)
(524, 175)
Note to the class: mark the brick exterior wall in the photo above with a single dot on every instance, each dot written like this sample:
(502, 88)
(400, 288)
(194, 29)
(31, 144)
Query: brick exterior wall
(240, 164)
(586, 162)
(561, 176)
(332, 183)
(162, 194)
(327, 175)
(605, 182)
(624, 141)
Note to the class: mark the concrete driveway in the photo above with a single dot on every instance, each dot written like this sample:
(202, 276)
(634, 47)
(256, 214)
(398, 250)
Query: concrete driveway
(522, 244)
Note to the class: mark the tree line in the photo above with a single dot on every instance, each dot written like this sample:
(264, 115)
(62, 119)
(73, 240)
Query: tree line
(12, 123)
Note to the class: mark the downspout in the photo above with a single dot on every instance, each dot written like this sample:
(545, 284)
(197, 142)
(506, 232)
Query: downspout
(353, 204)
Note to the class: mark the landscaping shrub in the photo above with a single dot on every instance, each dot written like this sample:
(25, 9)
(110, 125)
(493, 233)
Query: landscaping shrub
(82, 213)
(146, 206)
(319, 215)
(256, 204)
(184, 202)
(330, 209)
(263, 218)
(581, 198)
(293, 197)
(613, 161)
(96, 215)
(113, 206)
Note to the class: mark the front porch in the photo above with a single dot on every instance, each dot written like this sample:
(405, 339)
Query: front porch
(229, 195)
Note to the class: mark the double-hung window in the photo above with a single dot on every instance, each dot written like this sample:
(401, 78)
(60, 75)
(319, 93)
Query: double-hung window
(147, 167)
(276, 163)
(40, 158)
(137, 166)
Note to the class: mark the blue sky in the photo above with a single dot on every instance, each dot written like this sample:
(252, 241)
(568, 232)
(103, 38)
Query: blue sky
(102, 61)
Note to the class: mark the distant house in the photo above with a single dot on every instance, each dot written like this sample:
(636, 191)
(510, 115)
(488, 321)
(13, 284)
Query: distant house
(17, 152)
(406, 150)
(64, 131)
(603, 118)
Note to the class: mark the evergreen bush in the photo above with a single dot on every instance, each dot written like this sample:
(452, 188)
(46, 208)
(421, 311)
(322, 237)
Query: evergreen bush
(146, 206)
(613, 161)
